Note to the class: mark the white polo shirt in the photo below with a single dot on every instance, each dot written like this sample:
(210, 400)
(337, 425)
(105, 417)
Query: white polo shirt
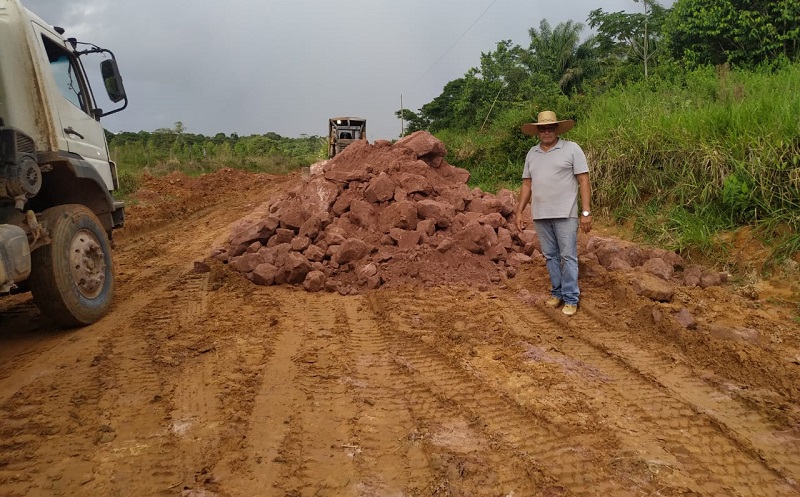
(554, 188)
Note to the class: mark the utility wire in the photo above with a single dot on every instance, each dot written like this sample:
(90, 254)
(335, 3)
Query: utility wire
(451, 46)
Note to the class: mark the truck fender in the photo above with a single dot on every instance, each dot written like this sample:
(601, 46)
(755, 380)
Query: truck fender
(86, 187)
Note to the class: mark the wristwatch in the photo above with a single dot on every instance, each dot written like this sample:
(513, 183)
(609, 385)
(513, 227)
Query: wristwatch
(586, 213)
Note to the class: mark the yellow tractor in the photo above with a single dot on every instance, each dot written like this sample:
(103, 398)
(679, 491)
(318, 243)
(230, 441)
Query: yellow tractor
(342, 131)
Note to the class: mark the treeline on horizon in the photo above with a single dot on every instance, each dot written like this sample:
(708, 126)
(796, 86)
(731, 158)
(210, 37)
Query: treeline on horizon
(168, 149)
(689, 116)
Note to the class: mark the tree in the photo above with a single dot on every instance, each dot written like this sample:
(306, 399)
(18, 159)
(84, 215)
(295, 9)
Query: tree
(630, 36)
(446, 110)
(505, 69)
(501, 80)
(561, 55)
(741, 32)
(412, 121)
(557, 62)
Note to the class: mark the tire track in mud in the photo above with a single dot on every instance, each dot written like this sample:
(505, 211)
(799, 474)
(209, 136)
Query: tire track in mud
(755, 439)
(655, 424)
(62, 390)
(58, 399)
(273, 405)
(318, 448)
(166, 307)
(560, 453)
(657, 428)
(298, 436)
(107, 369)
(388, 460)
(55, 408)
(138, 369)
(49, 347)
(405, 423)
(211, 369)
(104, 365)
(215, 392)
(139, 449)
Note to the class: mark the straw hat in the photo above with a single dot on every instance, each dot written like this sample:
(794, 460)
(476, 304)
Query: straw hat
(547, 117)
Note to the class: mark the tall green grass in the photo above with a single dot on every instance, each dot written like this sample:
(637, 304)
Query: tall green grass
(721, 146)
(682, 157)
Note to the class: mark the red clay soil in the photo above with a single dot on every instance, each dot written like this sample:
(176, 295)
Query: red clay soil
(199, 383)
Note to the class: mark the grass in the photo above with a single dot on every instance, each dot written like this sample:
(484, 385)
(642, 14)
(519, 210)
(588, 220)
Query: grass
(686, 158)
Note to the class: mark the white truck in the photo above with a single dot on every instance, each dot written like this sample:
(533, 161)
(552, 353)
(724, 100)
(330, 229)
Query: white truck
(57, 212)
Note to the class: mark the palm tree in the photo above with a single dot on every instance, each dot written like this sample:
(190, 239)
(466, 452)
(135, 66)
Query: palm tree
(560, 54)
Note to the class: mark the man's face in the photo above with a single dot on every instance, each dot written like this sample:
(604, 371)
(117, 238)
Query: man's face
(547, 134)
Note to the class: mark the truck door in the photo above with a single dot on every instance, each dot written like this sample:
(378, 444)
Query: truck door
(79, 132)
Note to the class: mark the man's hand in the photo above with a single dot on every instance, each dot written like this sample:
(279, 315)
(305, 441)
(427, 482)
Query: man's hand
(519, 220)
(586, 223)
(524, 198)
(586, 193)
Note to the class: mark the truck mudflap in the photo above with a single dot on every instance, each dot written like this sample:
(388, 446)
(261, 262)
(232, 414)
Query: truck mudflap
(118, 215)
(15, 256)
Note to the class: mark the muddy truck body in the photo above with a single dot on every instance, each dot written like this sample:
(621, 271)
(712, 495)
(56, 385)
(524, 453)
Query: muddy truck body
(57, 212)
(342, 131)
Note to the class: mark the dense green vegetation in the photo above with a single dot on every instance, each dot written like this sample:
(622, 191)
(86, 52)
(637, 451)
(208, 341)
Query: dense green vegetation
(690, 117)
(709, 151)
(166, 150)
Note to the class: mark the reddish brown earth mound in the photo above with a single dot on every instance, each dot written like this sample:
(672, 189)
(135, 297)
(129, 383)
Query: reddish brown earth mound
(162, 199)
(396, 214)
(382, 214)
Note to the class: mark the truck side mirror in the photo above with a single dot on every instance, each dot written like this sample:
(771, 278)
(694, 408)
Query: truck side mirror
(112, 80)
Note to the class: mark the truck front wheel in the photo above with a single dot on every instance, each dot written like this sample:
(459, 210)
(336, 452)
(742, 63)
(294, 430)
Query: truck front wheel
(72, 278)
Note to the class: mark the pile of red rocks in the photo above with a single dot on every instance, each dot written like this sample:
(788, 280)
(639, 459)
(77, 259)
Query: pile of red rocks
(382, 214)
(398, 214)
(655, 272)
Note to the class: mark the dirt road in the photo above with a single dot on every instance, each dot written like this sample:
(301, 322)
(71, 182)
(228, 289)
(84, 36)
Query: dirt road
(203, 384)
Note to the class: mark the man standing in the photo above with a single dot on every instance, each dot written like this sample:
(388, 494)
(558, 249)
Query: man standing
(555, 170)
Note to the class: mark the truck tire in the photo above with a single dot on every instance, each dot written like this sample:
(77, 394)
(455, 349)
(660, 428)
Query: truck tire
(72, 278)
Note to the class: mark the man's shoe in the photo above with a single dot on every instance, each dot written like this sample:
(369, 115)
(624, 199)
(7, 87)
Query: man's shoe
(570, 309)
(553, 302)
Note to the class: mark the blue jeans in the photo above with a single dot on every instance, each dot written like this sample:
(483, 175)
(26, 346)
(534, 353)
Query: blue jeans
(559, 241)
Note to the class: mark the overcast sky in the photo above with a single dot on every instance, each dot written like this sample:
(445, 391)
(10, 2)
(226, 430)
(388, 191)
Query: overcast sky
(254, 66)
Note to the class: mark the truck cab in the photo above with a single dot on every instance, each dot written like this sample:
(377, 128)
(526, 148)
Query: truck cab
(57, 211)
